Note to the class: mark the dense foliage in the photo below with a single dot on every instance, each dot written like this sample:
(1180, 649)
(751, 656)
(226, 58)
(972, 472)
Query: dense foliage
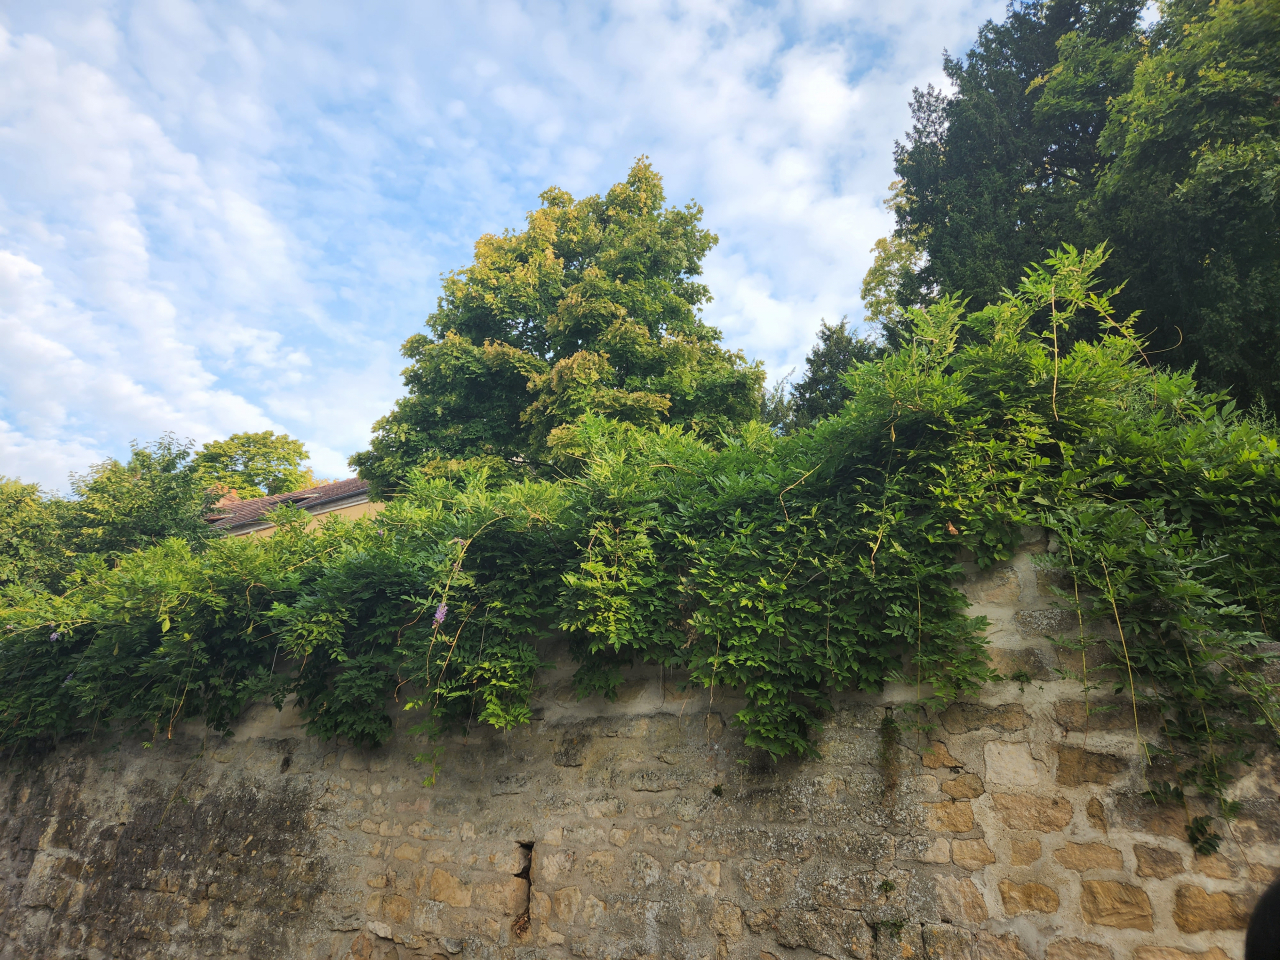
(115, 508)
(255, 464)
(593, 309)
(165, 490)
(1070, 122)
(784, 568)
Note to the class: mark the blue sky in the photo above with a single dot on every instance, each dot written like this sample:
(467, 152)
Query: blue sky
(217, 217)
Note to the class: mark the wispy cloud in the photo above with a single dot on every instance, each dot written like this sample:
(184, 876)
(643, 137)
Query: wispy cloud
(220, 217)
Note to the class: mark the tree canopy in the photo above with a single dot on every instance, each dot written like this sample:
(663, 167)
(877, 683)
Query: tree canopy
(593, 309)
(1069, 122)
(255, 464)
(165, 490)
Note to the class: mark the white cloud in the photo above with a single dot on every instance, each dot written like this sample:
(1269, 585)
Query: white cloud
(222, 217)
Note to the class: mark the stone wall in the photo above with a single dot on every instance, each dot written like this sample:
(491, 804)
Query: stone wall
(641, 828)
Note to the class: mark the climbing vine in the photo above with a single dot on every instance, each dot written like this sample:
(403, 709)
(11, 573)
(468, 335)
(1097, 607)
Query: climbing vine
(783, 568)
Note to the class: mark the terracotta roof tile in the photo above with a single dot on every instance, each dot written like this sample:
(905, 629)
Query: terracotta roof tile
(235, 513)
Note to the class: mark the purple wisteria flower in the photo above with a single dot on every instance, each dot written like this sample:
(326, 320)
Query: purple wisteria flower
(53, 637)
(440, 614)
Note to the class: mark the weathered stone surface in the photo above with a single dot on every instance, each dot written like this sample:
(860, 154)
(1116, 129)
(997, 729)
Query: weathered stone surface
(968, 717)
(1023, 811)
(1196, 910)
(987, 946)
(1215, 865)
(1027, 898)
(951, 816)
(959, 900)
(1042, 624)
(971, 854)
(1138, 814)
(1011, 764)
(1102, 716)
(1025, 664)
(937, 757)
(1173, 953)
(1073, 948)
(726, 920)
(504, 897)
(1096, 814)
(945, 941)
(1089, 856)
(998, 584)
(770, 880)
(925, 849)
(897, 942)
(1109, 903)
(447, 888)
(1077, 766)
(839, 934)
(1023, 853)
(967, 786)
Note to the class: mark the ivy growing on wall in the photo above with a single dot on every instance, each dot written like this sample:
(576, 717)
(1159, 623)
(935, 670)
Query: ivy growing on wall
(782, 568)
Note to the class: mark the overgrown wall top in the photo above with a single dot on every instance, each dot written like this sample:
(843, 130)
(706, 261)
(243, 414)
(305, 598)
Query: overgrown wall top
(643, 828)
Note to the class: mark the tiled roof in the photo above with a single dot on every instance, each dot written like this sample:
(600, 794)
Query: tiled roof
(235, 513)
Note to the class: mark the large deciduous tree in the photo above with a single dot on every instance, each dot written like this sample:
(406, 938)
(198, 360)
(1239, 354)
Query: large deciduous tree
(255, 464)
(594, 308)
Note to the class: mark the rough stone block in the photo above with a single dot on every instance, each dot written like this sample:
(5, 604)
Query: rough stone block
(987, 946)
(1023, 811)
(726, 920)
(1089, 856)
(599, 866)
(566, 903)
(997, 584)
(447, 888)
(945, 941)
(1215, 865)
(1096, 814)
(959, 900)
(1011, 764)
(1027, 898)
(1023, 853)
(1139, 814)
(937, 757)
(841, 934)
(1077, 766)
(1039, 624)
(1073, 948)
(505, 897)
(702, 879)
(925, 849)
(897, 941)
(1196, 910)
(968, 717)
(1109, 903)
(967, 786)
(770, 880)
(397, 909)
(951, 816)
(645, 870)
(971, 854)
(1100, 716)
(1173, 953)
(1027, 663)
